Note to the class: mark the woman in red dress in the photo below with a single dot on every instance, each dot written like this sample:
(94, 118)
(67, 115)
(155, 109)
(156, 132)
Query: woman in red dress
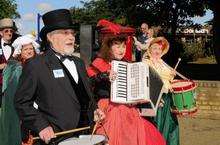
(123, 124)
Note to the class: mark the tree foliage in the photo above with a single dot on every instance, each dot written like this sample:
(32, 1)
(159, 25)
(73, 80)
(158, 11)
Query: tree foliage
(168, 14)
(215, 7)
(91, 12)
(8, 9)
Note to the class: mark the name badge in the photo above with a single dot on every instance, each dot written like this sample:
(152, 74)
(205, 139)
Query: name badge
(1, 52)
(58, 73)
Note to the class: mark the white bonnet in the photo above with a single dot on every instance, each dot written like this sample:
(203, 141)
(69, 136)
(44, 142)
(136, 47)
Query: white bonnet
(23, 40)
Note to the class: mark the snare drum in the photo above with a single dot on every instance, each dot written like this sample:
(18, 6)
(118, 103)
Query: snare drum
(85, 140)
(183, 97)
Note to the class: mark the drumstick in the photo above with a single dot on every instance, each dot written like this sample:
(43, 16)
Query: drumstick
(179, 59)
(66, 132)
(104, 131)
(179, 74)
(182, 76)
(94, 129)
(99, 122)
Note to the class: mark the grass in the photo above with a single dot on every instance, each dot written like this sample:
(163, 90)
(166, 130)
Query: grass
(205, 60)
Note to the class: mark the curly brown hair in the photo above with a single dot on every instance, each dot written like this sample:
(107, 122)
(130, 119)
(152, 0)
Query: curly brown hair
(106, 51)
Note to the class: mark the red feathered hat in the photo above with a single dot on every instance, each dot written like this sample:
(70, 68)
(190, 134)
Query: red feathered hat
(109, 29)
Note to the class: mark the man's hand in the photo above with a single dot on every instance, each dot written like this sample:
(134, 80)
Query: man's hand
(99, 115)
(47, 134)
(3, 65)
(30, 141)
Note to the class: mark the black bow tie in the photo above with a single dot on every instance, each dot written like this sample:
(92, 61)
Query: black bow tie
(5, 44)
(63, 57)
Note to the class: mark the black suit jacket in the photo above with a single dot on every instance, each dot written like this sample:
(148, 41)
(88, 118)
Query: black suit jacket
(142, 38)
(57, 102)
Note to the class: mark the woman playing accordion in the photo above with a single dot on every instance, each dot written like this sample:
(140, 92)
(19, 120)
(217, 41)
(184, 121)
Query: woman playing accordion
(123, 124)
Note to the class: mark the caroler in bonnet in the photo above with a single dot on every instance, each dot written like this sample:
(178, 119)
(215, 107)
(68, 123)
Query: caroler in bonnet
(25, 48)
(158, 47)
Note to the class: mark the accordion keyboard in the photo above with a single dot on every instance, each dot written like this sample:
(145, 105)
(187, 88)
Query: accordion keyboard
(122, 81)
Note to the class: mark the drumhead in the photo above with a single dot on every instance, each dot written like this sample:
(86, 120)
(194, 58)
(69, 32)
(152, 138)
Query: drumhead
(183, 85)
(84, 140)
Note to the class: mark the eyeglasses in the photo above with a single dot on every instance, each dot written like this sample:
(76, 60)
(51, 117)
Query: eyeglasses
(64, 32)
(8, 31)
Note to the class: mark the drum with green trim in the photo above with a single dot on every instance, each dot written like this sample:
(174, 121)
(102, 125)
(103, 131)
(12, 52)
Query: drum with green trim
(183, 97)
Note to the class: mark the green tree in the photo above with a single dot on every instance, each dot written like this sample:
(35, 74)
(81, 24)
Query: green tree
(91, 12)
(215, 7)
(8, 9)
(127, 9)
(169, 14)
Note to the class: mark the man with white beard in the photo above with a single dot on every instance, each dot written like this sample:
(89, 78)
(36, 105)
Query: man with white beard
(57, 82)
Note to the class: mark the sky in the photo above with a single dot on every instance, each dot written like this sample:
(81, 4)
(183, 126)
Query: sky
(201, 20)
(28, 10)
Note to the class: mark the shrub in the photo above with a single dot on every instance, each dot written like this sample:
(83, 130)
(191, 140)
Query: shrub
(192, 51)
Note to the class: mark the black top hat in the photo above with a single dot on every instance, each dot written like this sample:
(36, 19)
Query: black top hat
(56, 19)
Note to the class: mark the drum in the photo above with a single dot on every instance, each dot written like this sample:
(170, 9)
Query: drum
(85, 140)
(183, 97)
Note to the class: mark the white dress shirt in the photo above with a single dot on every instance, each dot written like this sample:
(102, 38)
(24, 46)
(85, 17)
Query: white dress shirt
(6, 50)
(71, 67)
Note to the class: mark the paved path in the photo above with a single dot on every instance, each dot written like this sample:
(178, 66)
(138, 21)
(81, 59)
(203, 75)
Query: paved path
(201, 130)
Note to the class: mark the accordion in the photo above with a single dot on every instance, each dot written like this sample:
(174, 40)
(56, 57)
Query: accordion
(136, 83)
